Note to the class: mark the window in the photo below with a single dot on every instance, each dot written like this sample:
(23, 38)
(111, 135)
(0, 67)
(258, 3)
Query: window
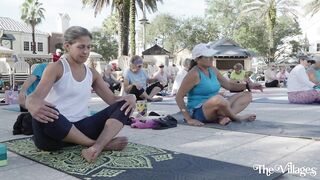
(40, 46)
(26, 46)
(318, 47)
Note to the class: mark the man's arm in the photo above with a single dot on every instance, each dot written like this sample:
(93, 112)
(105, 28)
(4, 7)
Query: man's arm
(22, 95)
(39, 109)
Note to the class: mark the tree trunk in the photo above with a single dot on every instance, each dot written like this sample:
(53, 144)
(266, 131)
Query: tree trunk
(271, 23)
(132, 27)
(33, 39)
(123, 27)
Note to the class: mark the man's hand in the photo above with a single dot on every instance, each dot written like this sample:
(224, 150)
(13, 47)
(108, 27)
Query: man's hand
(130, 103)
(40, 110)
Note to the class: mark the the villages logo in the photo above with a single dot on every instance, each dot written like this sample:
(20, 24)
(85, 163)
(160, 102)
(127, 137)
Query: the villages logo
(290, 168)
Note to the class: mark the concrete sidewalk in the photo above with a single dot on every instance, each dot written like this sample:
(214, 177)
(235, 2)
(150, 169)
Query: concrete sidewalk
(234, 147)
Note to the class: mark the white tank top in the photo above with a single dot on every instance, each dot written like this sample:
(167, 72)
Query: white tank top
(70, 96)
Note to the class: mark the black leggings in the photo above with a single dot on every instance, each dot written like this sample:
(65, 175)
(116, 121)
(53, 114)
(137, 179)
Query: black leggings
(115, 86)
(139, 92)
(273, 83)
(49, 136)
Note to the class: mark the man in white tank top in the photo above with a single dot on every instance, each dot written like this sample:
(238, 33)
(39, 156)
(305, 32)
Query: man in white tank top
(59, 105)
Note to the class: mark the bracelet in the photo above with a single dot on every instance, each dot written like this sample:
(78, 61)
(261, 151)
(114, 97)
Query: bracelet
(183, 110)
(248, 87)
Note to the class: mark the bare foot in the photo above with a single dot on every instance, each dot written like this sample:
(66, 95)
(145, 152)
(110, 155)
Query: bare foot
(224, 121)
(247, 117)
(117, 144)
(90, 154)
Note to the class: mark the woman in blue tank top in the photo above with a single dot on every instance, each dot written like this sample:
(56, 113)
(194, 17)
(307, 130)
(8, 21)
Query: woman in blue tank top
(314, 72)
(202, 85)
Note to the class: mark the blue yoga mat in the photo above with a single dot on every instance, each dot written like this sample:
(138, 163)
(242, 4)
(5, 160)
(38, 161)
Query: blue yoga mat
(13, 107)
(305, 131)
(270, 100)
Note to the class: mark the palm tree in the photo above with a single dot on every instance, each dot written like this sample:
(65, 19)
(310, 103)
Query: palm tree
(125, 9)
(151, 6)
(313, 7)
(268, 10)
(32, 14)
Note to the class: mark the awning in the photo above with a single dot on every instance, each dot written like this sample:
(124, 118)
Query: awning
(8, 37)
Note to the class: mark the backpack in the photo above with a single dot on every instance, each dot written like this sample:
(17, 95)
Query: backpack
(23, 124)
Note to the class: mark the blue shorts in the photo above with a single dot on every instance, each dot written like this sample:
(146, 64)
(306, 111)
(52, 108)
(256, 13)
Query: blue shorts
(198, 114)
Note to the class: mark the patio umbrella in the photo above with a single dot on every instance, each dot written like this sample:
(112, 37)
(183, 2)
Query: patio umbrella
(5, 50)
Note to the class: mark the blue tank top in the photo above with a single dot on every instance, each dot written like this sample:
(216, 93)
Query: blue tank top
(207, 87)
(317, 73)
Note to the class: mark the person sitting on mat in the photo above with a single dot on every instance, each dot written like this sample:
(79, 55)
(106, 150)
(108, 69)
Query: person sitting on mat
(162, 76)
(59, 105)
(202, 85)
(108, 77)
(300, 89)
(271, 76)
(180, 75)
(136, 79)
(238, 74)
(30, 85)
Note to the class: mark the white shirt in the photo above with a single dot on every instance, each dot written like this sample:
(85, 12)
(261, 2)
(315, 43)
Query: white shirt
(70, 96)
(298, 80)
(178, 80)
(162, 78)
(270, 75)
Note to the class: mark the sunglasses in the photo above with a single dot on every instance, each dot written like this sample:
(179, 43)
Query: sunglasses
(161, 66)
(139, 66)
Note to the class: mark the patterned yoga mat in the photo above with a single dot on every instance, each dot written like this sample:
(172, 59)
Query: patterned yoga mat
(136, 161)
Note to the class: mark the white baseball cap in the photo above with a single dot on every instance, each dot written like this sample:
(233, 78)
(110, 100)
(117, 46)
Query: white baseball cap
(202, 49)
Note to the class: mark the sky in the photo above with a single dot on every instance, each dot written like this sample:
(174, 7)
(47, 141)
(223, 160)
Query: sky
(85, 16)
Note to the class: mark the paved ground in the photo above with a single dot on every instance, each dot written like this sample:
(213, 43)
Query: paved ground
(234, 147)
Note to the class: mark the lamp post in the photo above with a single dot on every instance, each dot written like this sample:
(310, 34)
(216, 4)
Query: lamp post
(144, 22)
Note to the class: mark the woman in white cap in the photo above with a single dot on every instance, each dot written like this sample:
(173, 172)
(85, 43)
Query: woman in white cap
(202, 85)
(300, 89)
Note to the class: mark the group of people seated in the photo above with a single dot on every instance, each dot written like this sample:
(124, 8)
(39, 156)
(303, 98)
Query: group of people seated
(59, 103)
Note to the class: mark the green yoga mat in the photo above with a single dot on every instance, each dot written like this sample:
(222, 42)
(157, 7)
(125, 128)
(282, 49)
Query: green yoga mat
(16, 108)
(136, 161)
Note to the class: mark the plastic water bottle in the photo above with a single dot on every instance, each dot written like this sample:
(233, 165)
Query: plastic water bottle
(3, 155)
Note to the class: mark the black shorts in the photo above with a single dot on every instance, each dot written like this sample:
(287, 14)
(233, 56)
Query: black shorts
(49, 136)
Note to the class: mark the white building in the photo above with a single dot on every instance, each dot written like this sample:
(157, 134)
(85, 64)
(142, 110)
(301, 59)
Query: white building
(63, 22)
(18, 37)
(310, 28)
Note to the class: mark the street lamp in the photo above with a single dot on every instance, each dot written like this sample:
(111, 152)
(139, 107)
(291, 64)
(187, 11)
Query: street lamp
(144, 22)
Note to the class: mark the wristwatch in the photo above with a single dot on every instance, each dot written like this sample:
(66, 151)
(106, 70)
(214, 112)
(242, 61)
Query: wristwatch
(248, 87)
